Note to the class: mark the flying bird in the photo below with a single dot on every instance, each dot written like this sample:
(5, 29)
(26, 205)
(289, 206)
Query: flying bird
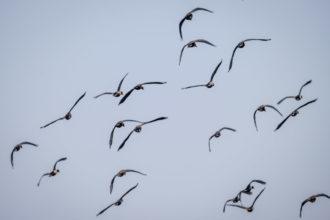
(249, 187)
(17, 148)
(138, 129)
(68, 115)
(218, 133)
(119, 201)
(120, 124)
(189, 16)
(193, 44)
(241, 45)
(115, 94)
(293, 114)
(297, 97)
(120, 174)
(233, 200)
(250, 208)
(312, 199)
(137, 87)
(210, 84)
(262, 108)
(53, 172)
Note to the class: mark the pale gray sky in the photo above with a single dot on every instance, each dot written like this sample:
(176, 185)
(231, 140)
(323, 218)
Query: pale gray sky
(53, 51)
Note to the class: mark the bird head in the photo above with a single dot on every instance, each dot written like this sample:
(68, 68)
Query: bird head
(210, 85)
(241, 44)
(68, 116)
(189, 17)
(192, 44)
(138, 128)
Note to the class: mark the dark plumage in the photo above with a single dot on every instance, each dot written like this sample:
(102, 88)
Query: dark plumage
(241, 45)
(193, 44)
(68, 115)
(210, 84)
(262, 108)
(138, 129)
(120, 124)
(249, 187)
(312, 199)
(189, 16)
(297, 97)
(293, 113)
(119, 201)
(250, 208)
(233, 200)
(120, 174)
(17, 148)
(218, 134)
(53, 172)
(137, 87)
(117, 93)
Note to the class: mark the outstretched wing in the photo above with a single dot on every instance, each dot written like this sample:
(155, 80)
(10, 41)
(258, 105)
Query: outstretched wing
(205, 42)
(180, 26)
(46, 174)
(122, 100)
(215, 71)
(239, 206)
(29, 143)
(307, 103)
(53, 122)
(210, 142)
(82, 96)
(322, 195)
(287, 97)
(129, 191)
(104, 209)
(232, 56)
(146, 83)
(254, 119)
(224, 207)
(198, 9)
(302, 204)
(157, 119)
(121, 82)
(111, 184)
(182, 53)
(280, 124)
(123, 143)
(270, 106)
(64, 158)
(306, 83)
(12, 157)
(136, 172)
(259, 39)
(226, 128)
(188, 87)
(105, 93)
(257, 197)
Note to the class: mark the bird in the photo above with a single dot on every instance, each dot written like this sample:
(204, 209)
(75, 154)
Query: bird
(137, 87)
(312, 199)
(193, 44)
(120, 124)
(53, 172)
(189, 16)
(115, 94)
(138, 129)
(119, 201)
(293, 114)
(249, 187)
(233, 200)
(262, 108)
(241, 45)
(120, 174)
(250, 208)
(210, 84)
(218, 133)
(297, 97)
(17, 148)
(68, 115)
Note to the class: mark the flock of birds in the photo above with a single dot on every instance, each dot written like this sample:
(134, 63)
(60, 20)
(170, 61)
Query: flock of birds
(262, 108)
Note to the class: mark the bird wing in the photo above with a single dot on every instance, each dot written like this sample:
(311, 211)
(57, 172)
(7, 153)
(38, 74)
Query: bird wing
(123, 143)
(126, 96)
(258, 181)
(188, 87)
(53, 122)
(322, 195)
(111, 184)
(64, 158)
(105, 93)
(224, 207)
(82, 96)
(280, 124)
(180, 26)
(157, 119)
(210, 142)
(12, 157)
(287, 97)
(302, 204)
(105, 209)
(146, 83)
(260, 39)
(307, 103)
(239, 206)
(111, 136)
(41, 178)
(306, 83)
(182, 53)
(198, 9)
(135, 172)
(129, 191)
(270, 106)
(257, 196)
(121, 82)
(226, 128)
(254, 118)
(129, 120)
(29, 143)
(204, 41)
(215, 71)
(232, 56)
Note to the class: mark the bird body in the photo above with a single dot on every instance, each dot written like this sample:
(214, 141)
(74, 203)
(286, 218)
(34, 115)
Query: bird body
(312, 199)
(53, 172)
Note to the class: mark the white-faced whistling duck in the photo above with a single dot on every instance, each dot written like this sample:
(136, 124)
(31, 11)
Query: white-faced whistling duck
(262, 108)
(17, 148)
(250, 208)
(210, 84)
(297, 97)
(137, 87)
(138, 129)
(53, 172)
(249, 187)
(120, 174)
(68, 115)
(193, 44)
(233, 200)
(189, 16)
(218, 133)
(120, 124)
(241, 45)
(293, 113)
(115, 94)
(119, 201)
(312, 199)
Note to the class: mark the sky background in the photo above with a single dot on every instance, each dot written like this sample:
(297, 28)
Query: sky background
(51, 52)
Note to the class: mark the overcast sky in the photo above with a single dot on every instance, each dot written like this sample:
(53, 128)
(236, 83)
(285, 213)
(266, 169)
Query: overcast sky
(51, 52)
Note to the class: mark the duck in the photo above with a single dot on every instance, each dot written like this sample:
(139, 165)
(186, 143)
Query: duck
(116, 93)
(262, 108)
(297, 97)
(191, 44)
(218, 134)
(312, 199)
(53, 172)
(17, 148)
(122, 173)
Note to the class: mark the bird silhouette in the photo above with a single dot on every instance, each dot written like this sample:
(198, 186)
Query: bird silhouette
(120, 174)
(53, 172)
(249, 208)
(193, 44)
(17, 148)
(120, 124)
(312, 199)
(115, 94)
(218, 134)
(249, 187)
(297, 97)
(262, 108)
